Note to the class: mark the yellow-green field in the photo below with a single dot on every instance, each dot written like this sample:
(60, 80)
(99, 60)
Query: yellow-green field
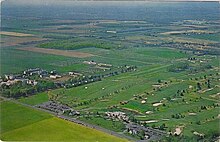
(20, 123)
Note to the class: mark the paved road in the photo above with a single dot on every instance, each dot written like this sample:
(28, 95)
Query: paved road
(74, 120)
(121, 135)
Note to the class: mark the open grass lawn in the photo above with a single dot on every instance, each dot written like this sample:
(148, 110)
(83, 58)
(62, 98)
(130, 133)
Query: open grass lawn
(35, 99)
(136, 105)
(210, 128)
(116, 126)
(138, 56)
(162, 53)
(124, 95)
(19, 123)
(15, 61)
(122, 88)
(92, 90)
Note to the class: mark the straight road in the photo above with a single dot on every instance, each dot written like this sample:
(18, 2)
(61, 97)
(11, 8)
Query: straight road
(71, 119)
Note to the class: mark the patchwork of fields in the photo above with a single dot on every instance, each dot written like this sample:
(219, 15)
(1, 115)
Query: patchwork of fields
(20, 123)
(152, 79)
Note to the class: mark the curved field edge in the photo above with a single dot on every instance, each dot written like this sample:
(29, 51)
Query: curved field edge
(48, 129)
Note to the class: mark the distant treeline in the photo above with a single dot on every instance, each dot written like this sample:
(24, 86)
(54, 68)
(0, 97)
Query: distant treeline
(66, 23)
(72, 44)
(182, 66)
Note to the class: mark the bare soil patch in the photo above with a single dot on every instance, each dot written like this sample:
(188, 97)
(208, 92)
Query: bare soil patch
(66, 53)
(14, 34)
(62, 79)
(13, 41)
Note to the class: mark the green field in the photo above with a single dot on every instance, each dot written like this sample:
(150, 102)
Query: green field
(212, 37)
(24, 116)
(50, 130)
(18, 121)
(173, 83)
(111, 125)
(14, 61)
(35, 99)
(134, 87)
(126, 86)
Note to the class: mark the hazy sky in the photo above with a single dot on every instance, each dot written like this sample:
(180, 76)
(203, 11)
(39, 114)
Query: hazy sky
(40, 2)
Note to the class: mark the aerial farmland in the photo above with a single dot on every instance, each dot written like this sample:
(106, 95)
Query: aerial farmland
(118, 71)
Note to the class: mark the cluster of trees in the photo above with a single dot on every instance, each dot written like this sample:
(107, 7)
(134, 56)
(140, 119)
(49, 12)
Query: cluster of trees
(92, 78)
(141, 134)
(208, 83)
(180, 93)
(200, 68)
(199, 85)
(178, 67)
(128, 69)
(73, 44)
(87, 102)
(23, 90)
(177, 116)
(61, 37)
(205, 76)
(192, 58)
(82, 81)
(65, 28)
(133, 119)
(162, 126)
